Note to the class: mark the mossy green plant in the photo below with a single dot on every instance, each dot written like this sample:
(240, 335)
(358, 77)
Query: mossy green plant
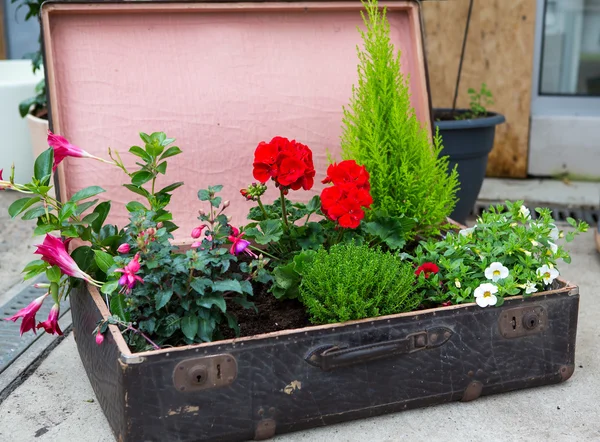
(381, 131)
(352, 281)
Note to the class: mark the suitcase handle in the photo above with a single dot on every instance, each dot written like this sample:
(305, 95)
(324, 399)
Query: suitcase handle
(331, 356)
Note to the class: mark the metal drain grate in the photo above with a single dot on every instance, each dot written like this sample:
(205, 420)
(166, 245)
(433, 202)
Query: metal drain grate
(11, 344)
(590, 215)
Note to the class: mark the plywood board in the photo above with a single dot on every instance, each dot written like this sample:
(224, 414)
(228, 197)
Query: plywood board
(499, 53)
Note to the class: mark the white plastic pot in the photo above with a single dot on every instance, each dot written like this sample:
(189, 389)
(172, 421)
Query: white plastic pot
(17, 83)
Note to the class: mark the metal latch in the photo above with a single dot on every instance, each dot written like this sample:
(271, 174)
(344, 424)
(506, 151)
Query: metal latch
(205, 372)
(522, 321)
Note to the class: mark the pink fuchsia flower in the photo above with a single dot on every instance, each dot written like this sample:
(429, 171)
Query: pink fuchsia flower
(53, 251)
(129, 277)
(99, 338)
(124, 248)
(28, 314)
(196, 244)
(51, 324)
(197, 232)
(239, 245)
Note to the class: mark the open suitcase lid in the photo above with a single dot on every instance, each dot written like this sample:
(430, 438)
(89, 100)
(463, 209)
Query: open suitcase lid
(218, 77)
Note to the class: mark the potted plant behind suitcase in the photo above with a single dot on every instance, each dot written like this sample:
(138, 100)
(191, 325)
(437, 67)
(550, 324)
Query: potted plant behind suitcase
(468, 137)
(35, 109)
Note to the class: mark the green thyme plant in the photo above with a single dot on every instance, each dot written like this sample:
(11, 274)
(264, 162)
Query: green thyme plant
(381, 131)
(352, 281)
(506, 253)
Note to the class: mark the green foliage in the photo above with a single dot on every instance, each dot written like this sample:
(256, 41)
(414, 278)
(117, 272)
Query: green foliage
(354, 282)
(381, 131)
(479, 101)
(183, 297)
(505, 235)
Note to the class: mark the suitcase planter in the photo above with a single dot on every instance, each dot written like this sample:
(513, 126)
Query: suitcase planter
(102, 90)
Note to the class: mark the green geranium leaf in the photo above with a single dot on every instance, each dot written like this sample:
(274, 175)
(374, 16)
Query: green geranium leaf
(390, 230)
(270, 230)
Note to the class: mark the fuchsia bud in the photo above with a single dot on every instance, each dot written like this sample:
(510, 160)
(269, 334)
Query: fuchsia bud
(124, 248)
(160, 225)
(51, 324)
(40, 285)
(99, 338)
(28, 314)
(197, 232)
(226, 204)
(196, 244)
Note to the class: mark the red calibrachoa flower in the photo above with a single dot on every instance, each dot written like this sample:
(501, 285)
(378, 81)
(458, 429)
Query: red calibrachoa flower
(427, 269)
(345, 200)
(288, 163)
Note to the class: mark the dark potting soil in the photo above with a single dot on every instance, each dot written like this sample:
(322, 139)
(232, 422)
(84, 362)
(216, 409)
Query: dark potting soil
(450, 116)
(272, 315)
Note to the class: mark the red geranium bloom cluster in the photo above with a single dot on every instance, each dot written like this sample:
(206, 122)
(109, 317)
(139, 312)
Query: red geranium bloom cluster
(345, 200)
(288, 163)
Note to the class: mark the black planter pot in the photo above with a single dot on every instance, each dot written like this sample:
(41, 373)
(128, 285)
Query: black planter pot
(468, 144)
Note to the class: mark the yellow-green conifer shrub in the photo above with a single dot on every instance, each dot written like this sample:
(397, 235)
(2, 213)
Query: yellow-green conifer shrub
(382, 132)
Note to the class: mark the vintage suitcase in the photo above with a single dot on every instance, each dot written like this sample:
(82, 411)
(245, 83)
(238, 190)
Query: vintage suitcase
(220, 77)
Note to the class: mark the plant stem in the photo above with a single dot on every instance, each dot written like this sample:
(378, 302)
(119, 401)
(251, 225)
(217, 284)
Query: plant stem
(262, 208)
(462, 56)
(283, 209)
(135, 330)
(263, 252)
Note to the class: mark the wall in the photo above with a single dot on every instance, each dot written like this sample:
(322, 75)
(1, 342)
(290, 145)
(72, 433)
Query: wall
(21, 36)
(499, 52)
(2, 33)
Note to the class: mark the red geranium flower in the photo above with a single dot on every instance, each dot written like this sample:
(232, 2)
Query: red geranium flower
(348, 172)
(288, 163)
(345, 200)
(427, 269)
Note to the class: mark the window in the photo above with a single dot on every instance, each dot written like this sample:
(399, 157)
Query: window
(570, 58)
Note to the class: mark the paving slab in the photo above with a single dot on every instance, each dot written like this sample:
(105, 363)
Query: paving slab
(57, 404)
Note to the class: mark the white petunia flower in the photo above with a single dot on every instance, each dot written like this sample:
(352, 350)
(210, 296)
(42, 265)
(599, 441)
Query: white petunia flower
(547, 274)
(468, 231)
(457, 283)
(553, 247)
(554, 233)
(496, 271)
(484, 295)
(534, 243)
(524, 212)
(530, 287)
